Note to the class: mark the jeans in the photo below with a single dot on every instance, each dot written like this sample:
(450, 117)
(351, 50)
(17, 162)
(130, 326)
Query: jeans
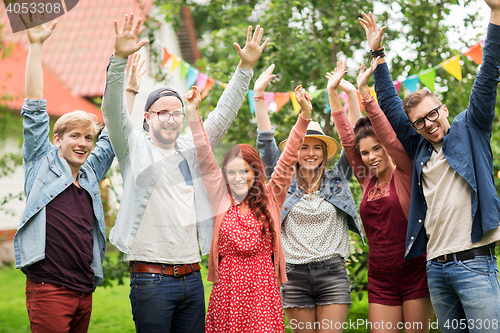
(164, 303)
(466, 294)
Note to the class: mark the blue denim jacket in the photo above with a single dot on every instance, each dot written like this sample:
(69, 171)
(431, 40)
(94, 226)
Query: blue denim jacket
(46, 175)
(141, 161)
(466, 147)
(334, 187)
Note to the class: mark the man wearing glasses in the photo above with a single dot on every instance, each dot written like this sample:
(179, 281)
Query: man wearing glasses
(165, 217)
(455, 210)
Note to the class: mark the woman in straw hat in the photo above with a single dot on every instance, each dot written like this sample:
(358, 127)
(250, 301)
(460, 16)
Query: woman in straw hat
(397, 290)
(315, 219)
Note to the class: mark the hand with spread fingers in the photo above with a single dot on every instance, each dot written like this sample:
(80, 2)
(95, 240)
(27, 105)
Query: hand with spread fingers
(364, 76)
(134, 82)
(253, 49)
(37, 32)
(373, 34)
(304, 100)
(193, 101)
(125, 39)
(263, 80)
(335, 77)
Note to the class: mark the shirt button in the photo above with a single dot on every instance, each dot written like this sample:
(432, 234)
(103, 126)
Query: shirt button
(339, 185)
(412, 237)
(145, 195)
(421, 163)
(420, 221)
(37, 207)
(51, 196)
(418, 184)
(286, 208)
(65, 184)
(297, 195)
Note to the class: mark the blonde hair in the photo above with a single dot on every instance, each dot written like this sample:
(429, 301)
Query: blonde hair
(318, 178)
(77, 119)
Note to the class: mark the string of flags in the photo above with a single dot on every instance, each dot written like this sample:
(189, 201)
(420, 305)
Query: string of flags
(426, 77)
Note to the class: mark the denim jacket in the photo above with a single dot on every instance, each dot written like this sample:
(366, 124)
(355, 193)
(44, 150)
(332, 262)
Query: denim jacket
(141, 161)
(46, 175)
(466, 147)
(334, 187)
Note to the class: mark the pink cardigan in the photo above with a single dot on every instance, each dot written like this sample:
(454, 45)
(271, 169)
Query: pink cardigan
(275, 190)
(404, 164)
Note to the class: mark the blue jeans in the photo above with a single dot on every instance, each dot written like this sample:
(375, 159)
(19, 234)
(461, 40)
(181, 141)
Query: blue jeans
(465, 294)
(164, 303)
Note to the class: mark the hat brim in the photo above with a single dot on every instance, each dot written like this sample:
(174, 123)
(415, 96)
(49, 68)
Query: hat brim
(332, 146)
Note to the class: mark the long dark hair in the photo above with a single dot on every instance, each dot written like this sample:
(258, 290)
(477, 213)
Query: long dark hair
(256, 197)
(362, 130)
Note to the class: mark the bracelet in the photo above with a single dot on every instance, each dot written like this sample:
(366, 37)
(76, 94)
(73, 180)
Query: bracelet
(377, 53)
(256, 98)
(132, 90)
(368, 94)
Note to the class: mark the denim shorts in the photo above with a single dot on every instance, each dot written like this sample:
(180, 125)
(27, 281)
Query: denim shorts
(316, 283)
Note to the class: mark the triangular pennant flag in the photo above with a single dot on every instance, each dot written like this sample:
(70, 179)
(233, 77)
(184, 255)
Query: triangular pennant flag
(281, 99)
(411, 82)
(202, 81)
(373, 93)
(269, 98)
(361, 108)
(316, 93)
(166, 56)
(428, 77)
(296, 106)
(327, 104)
(210, 83)
(251, 101)
(475, 53)
(397, 85)
(184, 70)
(343, 96)
(192, 77)
(453, 67)
(175, 63)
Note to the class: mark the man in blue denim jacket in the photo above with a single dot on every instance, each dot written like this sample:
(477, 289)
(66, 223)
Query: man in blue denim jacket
(455, 210)
(61, 240)
(165, 217)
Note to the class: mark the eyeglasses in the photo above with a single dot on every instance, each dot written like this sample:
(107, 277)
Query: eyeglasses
(165, 115)
(431, 116)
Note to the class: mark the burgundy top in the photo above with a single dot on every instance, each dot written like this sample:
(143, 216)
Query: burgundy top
(404, 164)
(69, 242)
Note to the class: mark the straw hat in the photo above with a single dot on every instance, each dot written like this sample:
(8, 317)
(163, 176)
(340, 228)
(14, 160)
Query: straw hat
(314, 130)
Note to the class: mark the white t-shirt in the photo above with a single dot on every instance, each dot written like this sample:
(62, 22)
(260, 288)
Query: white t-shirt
(167, 233)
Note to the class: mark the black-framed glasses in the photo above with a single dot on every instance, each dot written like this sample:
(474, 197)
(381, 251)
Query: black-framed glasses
(165, 115)
(432, 115)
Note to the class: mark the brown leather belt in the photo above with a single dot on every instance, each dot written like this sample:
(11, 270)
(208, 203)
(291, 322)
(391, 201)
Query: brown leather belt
(175, 270)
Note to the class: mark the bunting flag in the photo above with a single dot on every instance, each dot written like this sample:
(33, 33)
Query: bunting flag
(210, 83)
(360, 100)
(327, 106)
(411, 82)
(281, 99)
(250, 95)
(269, 98)
(397, 85)
(175, 63)
(202, 81)
(184, 70)
(373, 93)
(316, 93)
(475, 53)
(192, 77)
(452, 66)
(343, 96)
(428, 77)
(296, 106)
(166, 56)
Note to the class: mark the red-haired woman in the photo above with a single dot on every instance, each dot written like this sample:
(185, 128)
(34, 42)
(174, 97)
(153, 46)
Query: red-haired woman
(246, 260)
(397, 289)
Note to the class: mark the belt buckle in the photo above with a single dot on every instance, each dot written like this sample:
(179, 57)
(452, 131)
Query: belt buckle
(175, 270)
(442, 260)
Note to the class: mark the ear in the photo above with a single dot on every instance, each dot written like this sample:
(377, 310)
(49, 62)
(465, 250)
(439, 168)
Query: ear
(57, 141)
(445, 109)
(147, 116)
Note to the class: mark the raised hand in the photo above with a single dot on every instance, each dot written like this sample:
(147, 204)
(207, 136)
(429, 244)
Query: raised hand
(263, 81)
(364, 76)
(373, 34)
(136, 72)
(125, 40)
(252, 50)
(304, 100)
(37, 32)
(336, 76)
(193, 102)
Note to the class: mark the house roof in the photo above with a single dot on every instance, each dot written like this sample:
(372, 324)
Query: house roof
(59, 98)
(78, 51)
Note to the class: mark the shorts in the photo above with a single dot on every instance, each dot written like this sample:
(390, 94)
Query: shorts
(394, 285)
(316, 283)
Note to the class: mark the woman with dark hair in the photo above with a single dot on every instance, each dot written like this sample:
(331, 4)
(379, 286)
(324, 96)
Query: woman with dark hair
(315, 219)
(397, 290)
(246, 260)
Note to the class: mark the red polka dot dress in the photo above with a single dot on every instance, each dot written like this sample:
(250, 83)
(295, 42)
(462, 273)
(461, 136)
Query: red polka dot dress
(246, 299)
